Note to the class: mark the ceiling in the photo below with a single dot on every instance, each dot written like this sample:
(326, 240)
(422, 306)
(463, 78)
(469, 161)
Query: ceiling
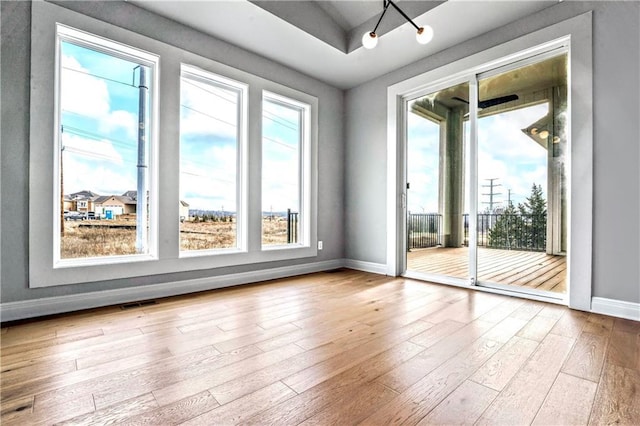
(322, 38)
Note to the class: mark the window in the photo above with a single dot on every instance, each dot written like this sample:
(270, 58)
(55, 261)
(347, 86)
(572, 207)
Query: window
(284, 142)
(211, 123)
(103, 142)
(200, 155)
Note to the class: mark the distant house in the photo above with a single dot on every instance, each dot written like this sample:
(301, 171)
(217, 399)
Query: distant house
(111, 206)
(69, 204)
(184, 210)
(82, 201)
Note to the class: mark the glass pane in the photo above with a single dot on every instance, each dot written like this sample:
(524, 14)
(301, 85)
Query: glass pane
(104, 116)
(437, 170)
(208, 205)
(521, 177)
(281, 150)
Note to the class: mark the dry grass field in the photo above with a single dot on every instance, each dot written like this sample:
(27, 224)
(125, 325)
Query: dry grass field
(118, 237)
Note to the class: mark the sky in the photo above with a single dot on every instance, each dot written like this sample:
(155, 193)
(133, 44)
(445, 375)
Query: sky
(99, 119)
(504, 152)
(99, 103)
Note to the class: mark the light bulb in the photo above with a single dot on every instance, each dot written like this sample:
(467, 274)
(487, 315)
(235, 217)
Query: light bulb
(369, 40)
(544, 134)
(534, 131)
(424, 34)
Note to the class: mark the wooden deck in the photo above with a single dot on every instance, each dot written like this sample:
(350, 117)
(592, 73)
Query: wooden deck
(339, 348)
(535, 270)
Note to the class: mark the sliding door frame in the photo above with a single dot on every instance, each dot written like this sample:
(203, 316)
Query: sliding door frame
(574, 35)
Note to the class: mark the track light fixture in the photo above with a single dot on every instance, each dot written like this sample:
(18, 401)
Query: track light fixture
(423, 35)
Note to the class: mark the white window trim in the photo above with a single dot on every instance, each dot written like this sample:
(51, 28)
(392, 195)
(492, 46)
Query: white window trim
(119, 50)
(304, 178)
(45, 16)
(241, 160)
(578, 33)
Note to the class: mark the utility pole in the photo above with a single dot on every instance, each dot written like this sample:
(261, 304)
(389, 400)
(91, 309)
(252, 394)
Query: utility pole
(491, 193)
(141, 197)
(509, 198)
(61, 183)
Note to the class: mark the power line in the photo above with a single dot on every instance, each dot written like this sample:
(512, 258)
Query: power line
(209, 115)
(280, 143)
(283, 123)
(100, 77)
(85, 133)
(194, 84)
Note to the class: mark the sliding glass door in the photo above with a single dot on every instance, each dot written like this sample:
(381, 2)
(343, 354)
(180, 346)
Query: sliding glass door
(437, 183)
(521, 186)
(486, 179)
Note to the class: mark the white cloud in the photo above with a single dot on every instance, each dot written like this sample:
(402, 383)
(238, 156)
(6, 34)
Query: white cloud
(209, 182)
(120, 119)
(95, 175)
(82, 93)
(205, 110)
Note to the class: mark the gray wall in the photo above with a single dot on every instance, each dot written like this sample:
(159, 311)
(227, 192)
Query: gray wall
(15, 69)
(616, 229)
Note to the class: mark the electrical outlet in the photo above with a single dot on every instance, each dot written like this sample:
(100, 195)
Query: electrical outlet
(319, 245)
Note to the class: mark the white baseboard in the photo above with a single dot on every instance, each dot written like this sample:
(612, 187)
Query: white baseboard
(359, 265)
(12, 311)
(615, 308)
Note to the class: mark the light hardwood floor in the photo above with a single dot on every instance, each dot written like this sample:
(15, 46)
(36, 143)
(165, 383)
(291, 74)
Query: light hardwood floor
(341, 347)
(519, 268)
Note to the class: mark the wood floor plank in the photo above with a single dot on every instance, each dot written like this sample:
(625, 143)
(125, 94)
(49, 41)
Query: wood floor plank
(618, 397)
(223, 373)
(416, 402)
(501, 367)
(340, 388)
(148, 379)
(463, 406)
(521, 399)
(364, 400)
(324, 370)
(537, 328)
(36, 371)
(599, 324)
(568, 402)
(127, 383)
(177, 412)
(241, 386)
(587, 357)
(238, 411)
(436, 333)
(405, 375)
(46, 412)
(16, 411)
(570, 324)
(620, 352)
(116, 413)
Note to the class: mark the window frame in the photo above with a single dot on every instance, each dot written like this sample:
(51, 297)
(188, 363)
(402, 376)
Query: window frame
(304, 168)
(45, 16)
(241, 157)
(119, 50)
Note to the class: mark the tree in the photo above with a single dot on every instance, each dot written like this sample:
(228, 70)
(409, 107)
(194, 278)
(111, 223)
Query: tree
(534, 212)
(524, 228)
(507, 230)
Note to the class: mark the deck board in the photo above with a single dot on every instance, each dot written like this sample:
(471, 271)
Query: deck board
(534, 270)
